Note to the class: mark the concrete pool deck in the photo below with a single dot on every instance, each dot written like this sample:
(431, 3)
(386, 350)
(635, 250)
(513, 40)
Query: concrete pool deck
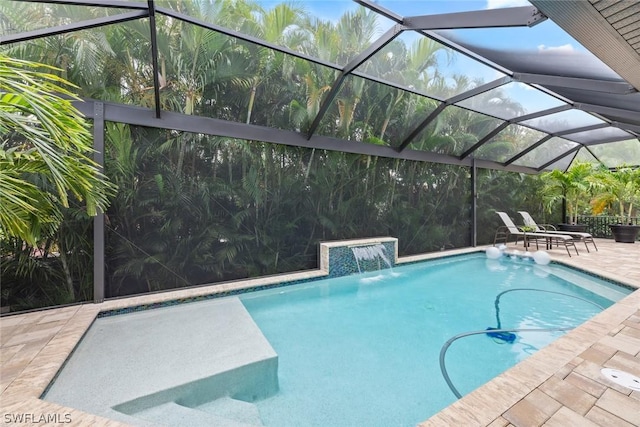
(560, 385)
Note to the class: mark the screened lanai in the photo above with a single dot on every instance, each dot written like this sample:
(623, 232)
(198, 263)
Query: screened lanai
(242, 133)
(536, 102)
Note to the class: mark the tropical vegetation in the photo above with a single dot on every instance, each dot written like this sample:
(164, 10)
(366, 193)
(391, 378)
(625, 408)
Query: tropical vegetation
(616, 190)
(47, 176)
(194, 208)
(572, 186)
(44, 153)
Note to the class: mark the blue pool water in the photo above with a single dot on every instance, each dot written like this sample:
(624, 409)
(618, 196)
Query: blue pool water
(364, 350)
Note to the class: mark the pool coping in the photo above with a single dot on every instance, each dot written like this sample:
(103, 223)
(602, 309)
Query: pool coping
(488, 404)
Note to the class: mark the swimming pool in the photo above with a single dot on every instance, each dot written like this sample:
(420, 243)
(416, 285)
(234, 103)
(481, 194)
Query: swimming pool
(363, 350)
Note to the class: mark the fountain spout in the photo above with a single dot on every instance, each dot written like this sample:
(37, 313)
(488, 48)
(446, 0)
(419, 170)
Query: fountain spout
(369, 254)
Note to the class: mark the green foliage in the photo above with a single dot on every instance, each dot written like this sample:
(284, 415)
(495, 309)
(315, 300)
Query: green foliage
(571, 185)
(241, 209)
(508, 192)
(48, 188)
(619, 189)
(58, 270)
(43, 153)
(193, 209)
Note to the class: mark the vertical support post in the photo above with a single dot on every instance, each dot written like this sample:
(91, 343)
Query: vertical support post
(474, 203)
(154, 56)
(98, 220)
(565, 218)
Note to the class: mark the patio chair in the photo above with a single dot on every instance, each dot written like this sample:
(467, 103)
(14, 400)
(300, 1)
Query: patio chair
(510, 229)
(548, 228)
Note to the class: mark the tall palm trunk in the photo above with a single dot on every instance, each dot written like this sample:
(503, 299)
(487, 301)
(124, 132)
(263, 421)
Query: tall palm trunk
(252, 99)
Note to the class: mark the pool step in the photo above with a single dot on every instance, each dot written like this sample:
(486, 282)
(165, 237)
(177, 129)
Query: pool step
(233, 409)
(222, 352)
(176, 415)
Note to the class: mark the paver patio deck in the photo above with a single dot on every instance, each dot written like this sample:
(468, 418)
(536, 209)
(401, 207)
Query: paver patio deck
(560, 385)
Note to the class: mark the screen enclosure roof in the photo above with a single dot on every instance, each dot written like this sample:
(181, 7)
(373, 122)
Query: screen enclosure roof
(512, 85)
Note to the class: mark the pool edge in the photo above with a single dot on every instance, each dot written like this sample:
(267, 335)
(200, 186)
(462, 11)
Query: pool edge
(480, 407)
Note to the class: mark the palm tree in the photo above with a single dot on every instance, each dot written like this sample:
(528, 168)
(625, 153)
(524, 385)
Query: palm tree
(620, 187)
(279, 25)
(79, 56)
(571, 185)
(44, 153)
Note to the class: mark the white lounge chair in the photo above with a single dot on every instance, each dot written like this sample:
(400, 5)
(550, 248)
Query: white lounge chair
(510, 229)
(548, 228)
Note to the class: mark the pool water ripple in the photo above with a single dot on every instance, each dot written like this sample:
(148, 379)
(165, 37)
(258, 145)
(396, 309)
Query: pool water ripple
(363, 349)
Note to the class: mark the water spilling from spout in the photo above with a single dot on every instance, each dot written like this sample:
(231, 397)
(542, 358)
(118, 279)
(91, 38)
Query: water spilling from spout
(370, 254)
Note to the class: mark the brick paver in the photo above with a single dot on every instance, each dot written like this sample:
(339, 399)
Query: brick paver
(560, 385)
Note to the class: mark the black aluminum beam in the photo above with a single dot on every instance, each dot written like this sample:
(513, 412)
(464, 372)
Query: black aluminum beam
(626, 126)
(594, 155)
(450, 101)
(622, 88)
(484, 140)
(77, 26)
(488, 164)
(517, 120)
(437, 37)
(528, 150)
(478, 90)
(448, 43)
(326, 104)
(375, 6)
(373, 48)
(154, 56)
(581, 129)
(542, 113)
(381, 42)
(98, 220)
(369, 4)
(620, 113)
(525, 16)
(138, 116)
(600, 141)
(119, 4)
(395, 85)
(560, 157)
(474, 203)
(431, 117)
(552, 93)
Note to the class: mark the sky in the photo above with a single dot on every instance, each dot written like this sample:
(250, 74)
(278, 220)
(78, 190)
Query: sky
(542, 38)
